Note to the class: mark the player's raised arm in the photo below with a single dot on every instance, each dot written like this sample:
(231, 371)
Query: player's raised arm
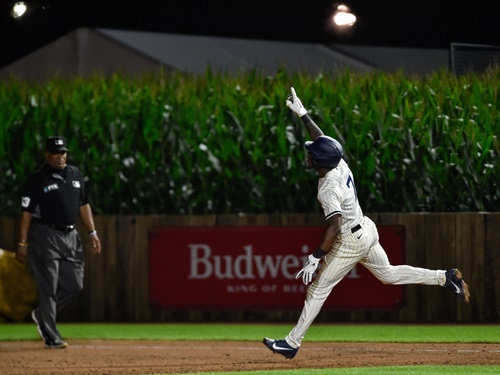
(294, 103)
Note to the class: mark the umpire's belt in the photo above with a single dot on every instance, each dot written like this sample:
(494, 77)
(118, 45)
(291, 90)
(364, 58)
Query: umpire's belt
(59, 227)
(355, 228)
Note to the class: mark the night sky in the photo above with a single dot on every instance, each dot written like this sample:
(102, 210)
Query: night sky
(380, 23)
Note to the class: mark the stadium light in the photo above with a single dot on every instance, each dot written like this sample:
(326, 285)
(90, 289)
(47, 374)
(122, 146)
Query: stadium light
(18, 9)
(343, 18)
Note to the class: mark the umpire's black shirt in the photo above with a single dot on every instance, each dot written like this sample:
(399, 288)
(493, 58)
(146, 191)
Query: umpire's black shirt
(55, 195)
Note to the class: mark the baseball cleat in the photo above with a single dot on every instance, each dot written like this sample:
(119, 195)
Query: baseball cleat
(455, 282)
(280, 347)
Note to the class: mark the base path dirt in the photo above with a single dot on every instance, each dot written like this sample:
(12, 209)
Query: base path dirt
(179, 357)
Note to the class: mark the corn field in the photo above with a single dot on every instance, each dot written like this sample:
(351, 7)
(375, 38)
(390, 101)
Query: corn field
(178, 144)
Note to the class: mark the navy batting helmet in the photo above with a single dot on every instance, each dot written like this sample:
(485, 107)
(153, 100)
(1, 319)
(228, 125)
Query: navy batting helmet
(326, 152)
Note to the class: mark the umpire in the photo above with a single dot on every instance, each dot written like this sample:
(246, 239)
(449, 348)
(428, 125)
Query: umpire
(53, 197)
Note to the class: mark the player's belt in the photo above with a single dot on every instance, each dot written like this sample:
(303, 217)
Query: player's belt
(59, 227)
(355, 228)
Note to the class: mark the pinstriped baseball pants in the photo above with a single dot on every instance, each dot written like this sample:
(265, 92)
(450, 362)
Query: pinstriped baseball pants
(350, 249)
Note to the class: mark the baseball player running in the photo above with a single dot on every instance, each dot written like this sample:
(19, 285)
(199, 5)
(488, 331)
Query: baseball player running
(349, 238)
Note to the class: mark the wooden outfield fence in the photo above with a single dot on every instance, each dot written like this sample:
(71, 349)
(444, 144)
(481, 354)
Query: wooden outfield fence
(116, 282)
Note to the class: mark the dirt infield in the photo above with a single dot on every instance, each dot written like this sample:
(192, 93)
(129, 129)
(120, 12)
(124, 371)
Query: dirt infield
(178, 357)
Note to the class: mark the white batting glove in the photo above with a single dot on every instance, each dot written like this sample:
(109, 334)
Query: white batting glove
(294, 103)
(309, 268)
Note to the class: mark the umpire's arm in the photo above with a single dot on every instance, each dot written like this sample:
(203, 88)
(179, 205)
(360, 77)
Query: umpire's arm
(88, 220)
(22, 246)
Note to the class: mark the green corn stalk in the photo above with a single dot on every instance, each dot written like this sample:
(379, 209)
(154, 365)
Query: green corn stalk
(220, 143)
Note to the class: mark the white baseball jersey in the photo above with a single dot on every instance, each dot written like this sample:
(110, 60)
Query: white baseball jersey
(337, 195)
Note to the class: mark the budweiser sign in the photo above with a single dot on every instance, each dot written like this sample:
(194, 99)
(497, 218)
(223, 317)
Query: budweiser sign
(255, 267)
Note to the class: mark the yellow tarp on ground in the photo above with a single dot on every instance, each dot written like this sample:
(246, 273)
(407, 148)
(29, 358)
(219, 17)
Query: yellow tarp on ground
(17, 289)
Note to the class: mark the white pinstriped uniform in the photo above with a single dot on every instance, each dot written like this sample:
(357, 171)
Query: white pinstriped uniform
(337, 195)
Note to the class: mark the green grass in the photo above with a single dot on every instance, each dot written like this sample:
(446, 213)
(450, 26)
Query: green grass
(255, 332)
(317, 333)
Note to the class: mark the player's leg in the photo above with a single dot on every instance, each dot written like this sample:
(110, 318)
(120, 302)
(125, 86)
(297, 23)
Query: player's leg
(335, 267)
(377, 262)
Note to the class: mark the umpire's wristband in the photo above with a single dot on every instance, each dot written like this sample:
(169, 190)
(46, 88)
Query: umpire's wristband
(319, 253)
(93, 233)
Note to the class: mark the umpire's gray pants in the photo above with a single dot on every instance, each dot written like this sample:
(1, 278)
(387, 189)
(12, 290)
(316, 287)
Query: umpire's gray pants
(56, 259)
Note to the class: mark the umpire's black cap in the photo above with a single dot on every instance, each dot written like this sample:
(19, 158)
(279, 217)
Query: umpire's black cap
(56, 145)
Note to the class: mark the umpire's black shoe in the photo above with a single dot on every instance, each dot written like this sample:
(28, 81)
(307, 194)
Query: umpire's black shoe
(456, 283)
(280, 347)
(56, 344)
(49, 344)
